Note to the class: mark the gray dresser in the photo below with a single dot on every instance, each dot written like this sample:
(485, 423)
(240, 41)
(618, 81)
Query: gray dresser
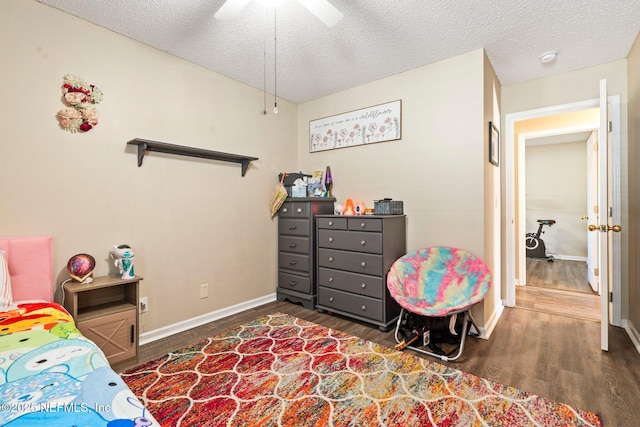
(354, 256)
(297, 249)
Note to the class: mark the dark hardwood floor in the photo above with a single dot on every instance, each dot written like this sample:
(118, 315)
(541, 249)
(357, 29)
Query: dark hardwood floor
(554, 356)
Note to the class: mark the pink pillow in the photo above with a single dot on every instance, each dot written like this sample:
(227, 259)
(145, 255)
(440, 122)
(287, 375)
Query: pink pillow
(6, 299)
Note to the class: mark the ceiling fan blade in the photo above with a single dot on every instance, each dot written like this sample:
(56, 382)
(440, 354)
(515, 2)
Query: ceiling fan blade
(323, 10)
(230, 9)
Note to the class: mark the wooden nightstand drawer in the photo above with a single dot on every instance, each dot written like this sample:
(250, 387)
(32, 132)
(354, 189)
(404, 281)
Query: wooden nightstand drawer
(115, 334)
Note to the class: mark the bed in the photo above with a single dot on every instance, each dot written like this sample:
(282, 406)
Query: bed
(49, 372)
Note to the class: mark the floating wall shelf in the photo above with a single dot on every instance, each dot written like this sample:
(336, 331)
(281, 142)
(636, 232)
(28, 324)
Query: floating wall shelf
(145, 145)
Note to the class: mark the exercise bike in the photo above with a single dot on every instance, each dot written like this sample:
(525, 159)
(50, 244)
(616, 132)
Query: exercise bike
(534, 243)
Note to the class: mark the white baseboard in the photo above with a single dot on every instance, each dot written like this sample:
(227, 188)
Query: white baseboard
(633, 333)
(156, 334)
(486, 332)
(570, 257)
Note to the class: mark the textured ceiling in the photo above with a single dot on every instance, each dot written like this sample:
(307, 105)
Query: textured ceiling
(375, 39)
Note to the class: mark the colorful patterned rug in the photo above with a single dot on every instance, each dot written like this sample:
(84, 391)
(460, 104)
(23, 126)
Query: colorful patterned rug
(283, 371)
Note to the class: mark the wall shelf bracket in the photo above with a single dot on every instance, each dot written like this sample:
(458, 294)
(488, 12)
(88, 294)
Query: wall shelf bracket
(145, 145)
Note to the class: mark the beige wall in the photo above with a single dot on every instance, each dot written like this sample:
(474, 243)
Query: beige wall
(492, 193)
(189, 221)
(437, 169)
(633, 71)
(556, 188)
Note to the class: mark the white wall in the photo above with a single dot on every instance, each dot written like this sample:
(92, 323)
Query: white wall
(189, 221)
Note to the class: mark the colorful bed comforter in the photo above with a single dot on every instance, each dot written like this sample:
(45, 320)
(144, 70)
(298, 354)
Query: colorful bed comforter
(51, 375)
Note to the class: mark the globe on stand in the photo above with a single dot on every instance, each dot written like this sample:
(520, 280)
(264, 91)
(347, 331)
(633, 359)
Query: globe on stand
(81, 267)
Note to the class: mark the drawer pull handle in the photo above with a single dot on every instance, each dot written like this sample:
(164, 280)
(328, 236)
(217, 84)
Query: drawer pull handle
(292, 283)
(330, 279)
(364, 308)
(292, 262)
(292, 245)
(293, 227)
(330, 223)
(364, 285)
(285, 210)
(363, 225)
(363, 242)
(330, 299)
(363, 264)
(133, 336)
(299, 210)
(330, 239)
(330, 259)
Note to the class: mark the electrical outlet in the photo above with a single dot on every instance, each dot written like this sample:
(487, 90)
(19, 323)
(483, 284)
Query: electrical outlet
(144, 305)
(204, 290)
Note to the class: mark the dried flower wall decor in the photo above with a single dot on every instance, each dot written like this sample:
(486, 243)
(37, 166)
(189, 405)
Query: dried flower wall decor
(79, 115)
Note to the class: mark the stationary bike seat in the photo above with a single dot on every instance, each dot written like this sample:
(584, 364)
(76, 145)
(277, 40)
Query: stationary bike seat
(547, 221)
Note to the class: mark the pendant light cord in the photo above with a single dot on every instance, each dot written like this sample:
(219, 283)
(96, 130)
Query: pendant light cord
(264, 63)
(275, 62)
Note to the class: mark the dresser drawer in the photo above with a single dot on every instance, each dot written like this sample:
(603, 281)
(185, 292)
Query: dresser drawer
(364, 223)
(295, 209)
(350, 261)
(295, 262)
(372, 286)
(300, 245)
(357, 241)
(333, 223)
(293, 227)
(294, 282)
(358, 305)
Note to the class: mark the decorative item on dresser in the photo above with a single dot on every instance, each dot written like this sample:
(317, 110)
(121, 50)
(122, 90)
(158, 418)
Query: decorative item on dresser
(296, 248)
(354, 257)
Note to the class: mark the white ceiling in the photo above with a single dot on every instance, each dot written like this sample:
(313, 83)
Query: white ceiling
(375, 39)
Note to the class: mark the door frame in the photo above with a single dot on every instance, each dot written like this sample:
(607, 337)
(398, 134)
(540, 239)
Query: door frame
(511, 233)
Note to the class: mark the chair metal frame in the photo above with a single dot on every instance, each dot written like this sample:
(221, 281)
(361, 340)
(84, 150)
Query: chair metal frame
(466, 330)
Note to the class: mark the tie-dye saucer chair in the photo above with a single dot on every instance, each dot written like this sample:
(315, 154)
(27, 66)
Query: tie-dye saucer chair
(438, 282)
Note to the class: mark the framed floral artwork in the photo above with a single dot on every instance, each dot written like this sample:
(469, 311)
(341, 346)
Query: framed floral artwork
(378, 123)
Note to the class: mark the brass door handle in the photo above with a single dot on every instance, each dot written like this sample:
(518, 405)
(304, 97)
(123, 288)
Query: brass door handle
(604, 228)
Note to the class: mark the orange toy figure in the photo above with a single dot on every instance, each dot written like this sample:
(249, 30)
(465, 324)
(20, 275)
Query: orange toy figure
(348, 208)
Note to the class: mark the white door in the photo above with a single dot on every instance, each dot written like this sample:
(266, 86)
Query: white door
(592, 203)
(603, 217)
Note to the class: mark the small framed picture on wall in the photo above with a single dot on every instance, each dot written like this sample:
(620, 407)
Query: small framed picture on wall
(494, 144)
